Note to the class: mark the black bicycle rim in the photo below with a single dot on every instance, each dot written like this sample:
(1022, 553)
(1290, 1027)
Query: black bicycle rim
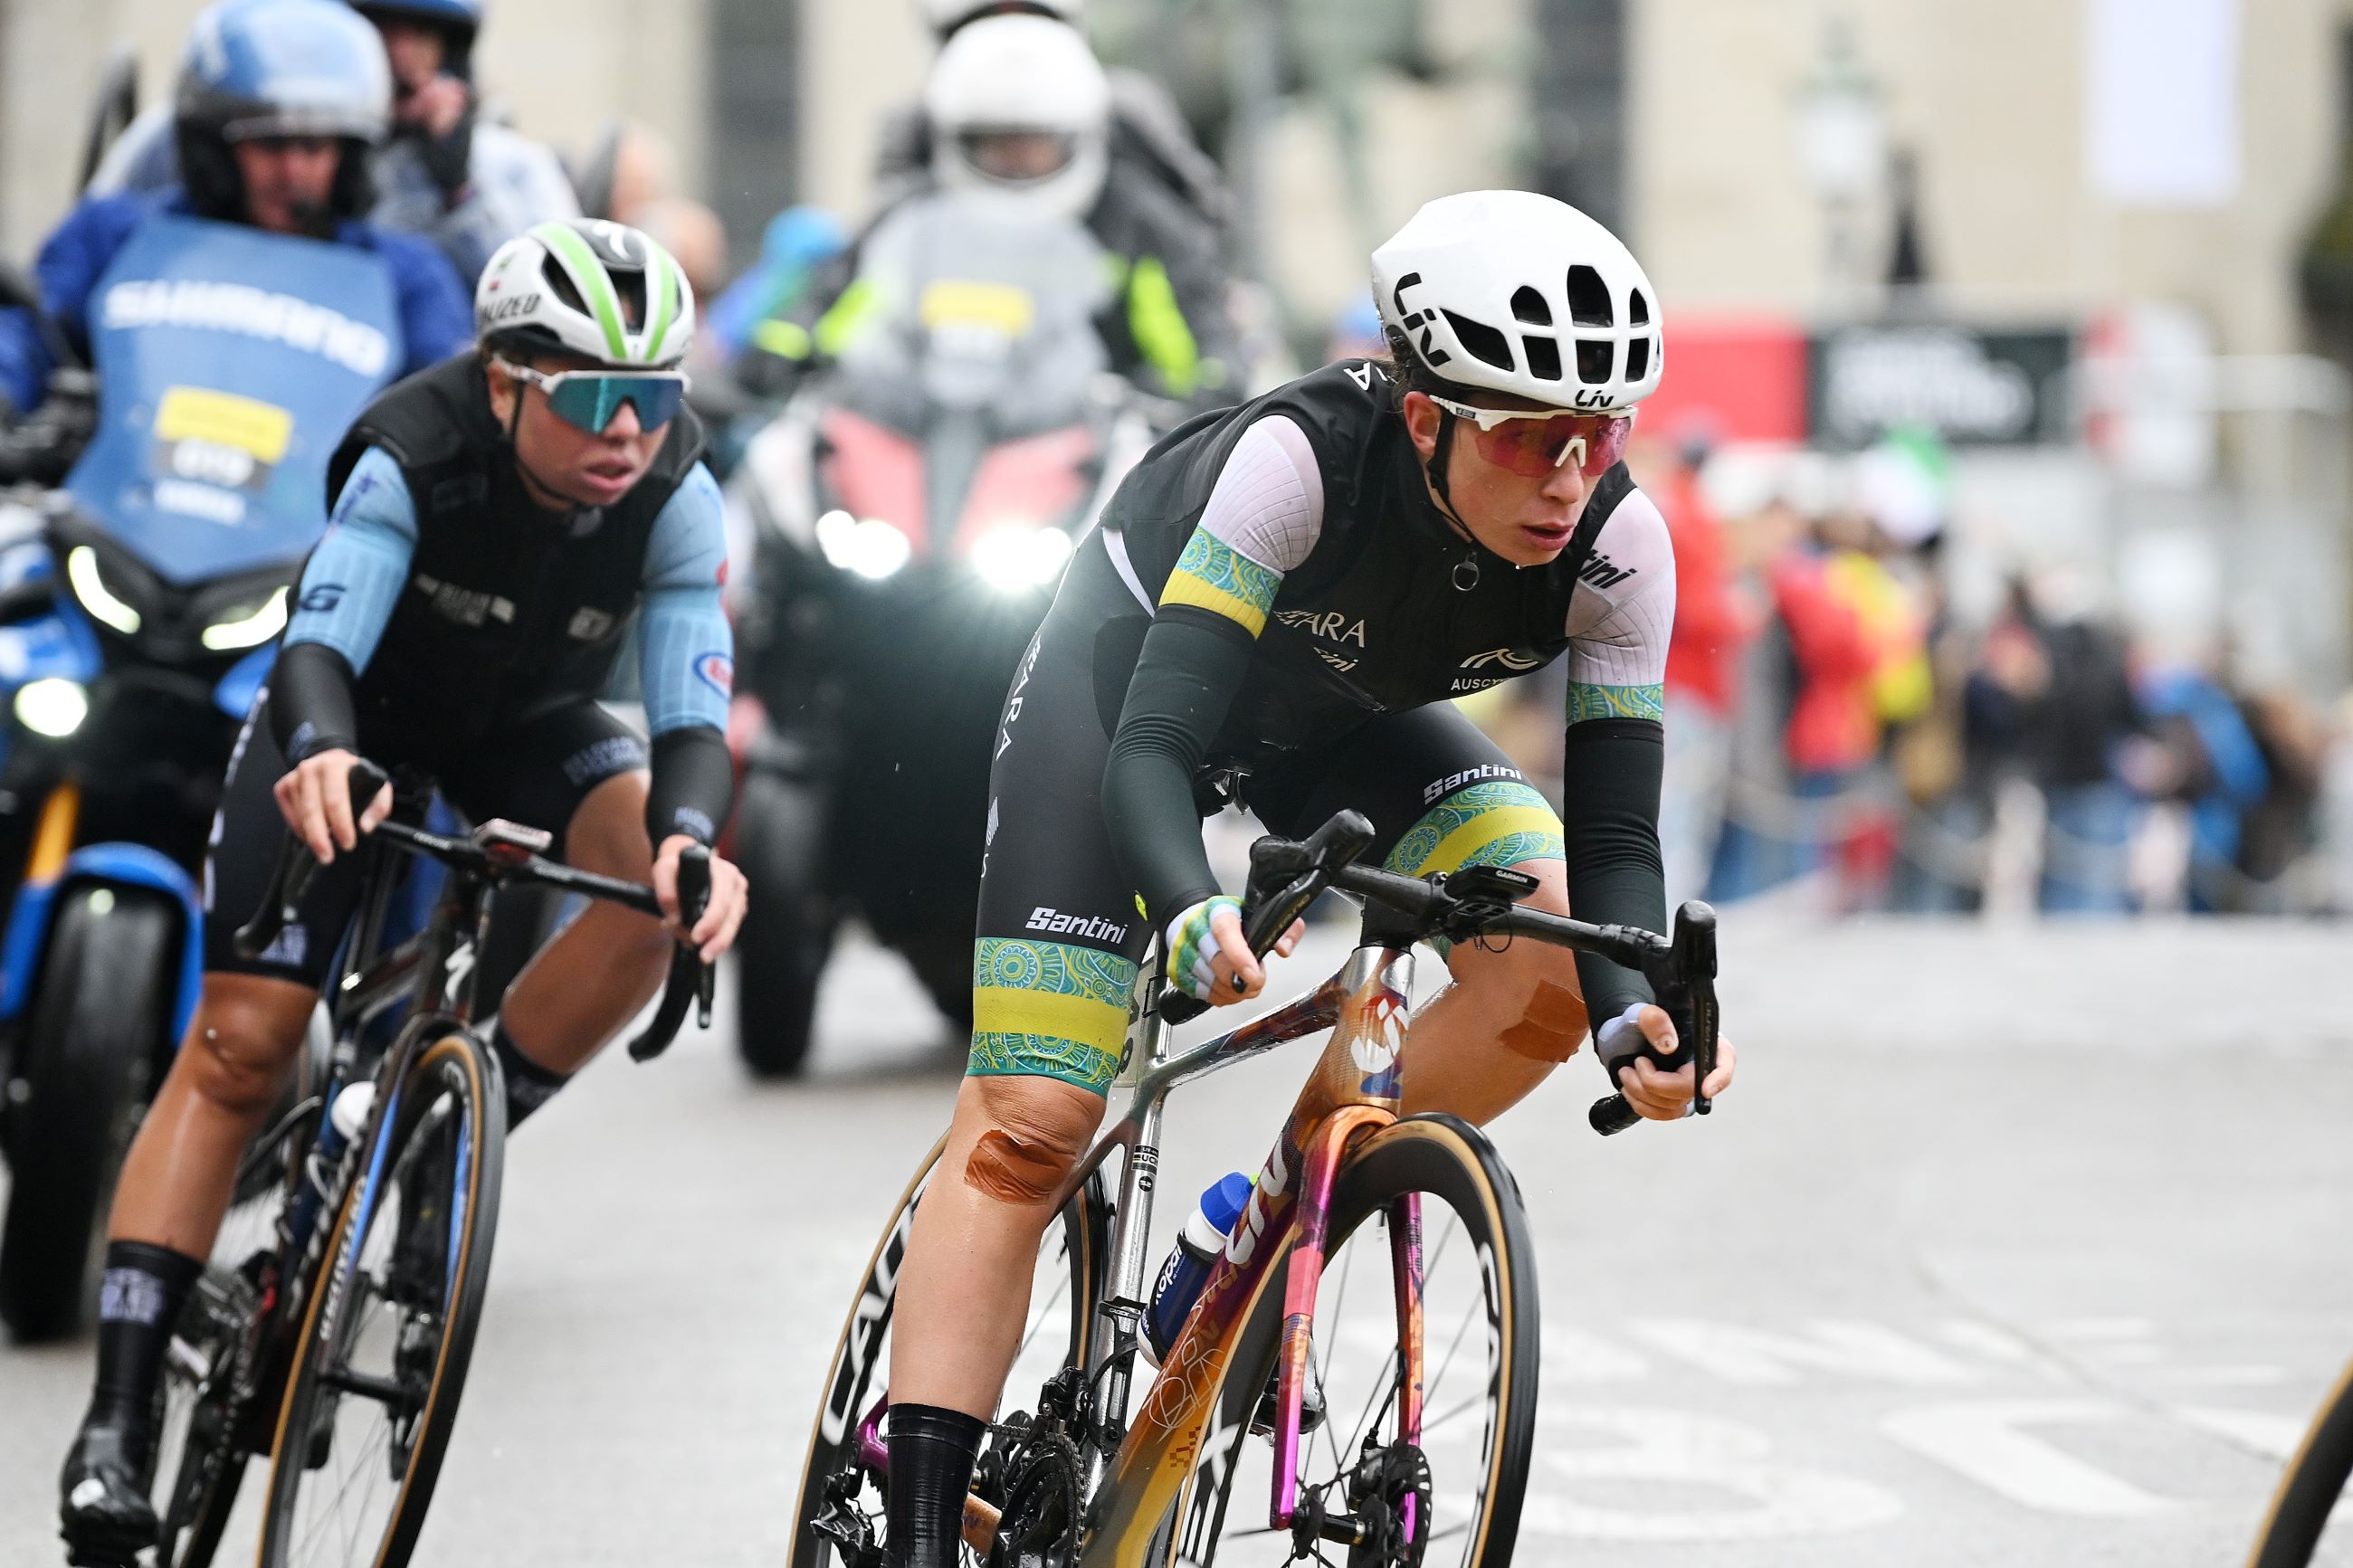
(855, 1374)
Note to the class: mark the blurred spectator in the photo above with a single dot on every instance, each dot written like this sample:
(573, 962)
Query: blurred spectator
(693, 233)
(2052, 692)
(2213, 763)
(1356, 334)
(1713, 625)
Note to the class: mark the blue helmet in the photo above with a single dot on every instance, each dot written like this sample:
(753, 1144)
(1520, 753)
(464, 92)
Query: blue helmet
(279, 68)
(458, 20)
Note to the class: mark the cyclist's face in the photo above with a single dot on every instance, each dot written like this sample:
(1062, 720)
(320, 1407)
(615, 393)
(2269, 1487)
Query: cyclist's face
(289, 179)
(560, 457)
(1524, 517)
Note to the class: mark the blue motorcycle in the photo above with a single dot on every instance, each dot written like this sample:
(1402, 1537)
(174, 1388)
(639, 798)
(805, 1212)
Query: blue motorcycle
(139, 607)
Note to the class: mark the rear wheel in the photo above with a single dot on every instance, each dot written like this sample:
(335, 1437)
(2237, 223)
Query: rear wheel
(87, 1065)
(840, 1517)
(788, 924)
(373, 1393)
(1391, 1489)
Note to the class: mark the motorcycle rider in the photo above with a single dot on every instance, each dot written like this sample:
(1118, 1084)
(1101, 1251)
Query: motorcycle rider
(552, 485)
(1149, 138)
(279, 103)
(444, 172)
(1018, 108)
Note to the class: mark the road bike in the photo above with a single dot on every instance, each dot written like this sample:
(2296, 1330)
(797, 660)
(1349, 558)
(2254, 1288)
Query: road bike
(1381, 1399)
(338, 1347)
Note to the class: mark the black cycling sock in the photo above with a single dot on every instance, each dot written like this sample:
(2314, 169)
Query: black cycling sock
(932, 1454)
(139, 1303)
(529, 1085)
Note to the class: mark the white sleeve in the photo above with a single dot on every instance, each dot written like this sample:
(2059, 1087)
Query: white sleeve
(1269, 500)
(1624, 606)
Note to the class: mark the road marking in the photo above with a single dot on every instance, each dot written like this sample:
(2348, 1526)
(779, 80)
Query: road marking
(1759, 1358)
(1711, 1456)
(1982, 1440)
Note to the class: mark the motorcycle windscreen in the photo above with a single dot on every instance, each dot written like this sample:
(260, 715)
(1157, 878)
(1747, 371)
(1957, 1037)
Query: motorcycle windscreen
(1038, 482)
(230, 363)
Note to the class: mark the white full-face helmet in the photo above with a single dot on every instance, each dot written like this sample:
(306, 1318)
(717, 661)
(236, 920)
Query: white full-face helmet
(1514, 293)
(603, 290)
(1020, 108)
(945, 17)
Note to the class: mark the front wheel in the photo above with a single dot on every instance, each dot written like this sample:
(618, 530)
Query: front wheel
(1429, 1270)
(2311, 1488)
(373, 1393)
(840, 1517)
(88, 1063)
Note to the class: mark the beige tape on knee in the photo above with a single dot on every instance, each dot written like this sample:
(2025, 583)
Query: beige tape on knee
(1551, 1028)
(1003, 1167)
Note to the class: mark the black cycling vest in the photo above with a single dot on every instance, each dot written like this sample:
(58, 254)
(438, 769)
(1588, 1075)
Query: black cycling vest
(508, 606)
(1393, 608)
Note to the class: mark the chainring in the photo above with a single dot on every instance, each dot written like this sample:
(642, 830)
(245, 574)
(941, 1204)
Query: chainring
(1040, 1528)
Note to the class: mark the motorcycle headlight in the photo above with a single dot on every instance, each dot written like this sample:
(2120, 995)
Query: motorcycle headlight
(867, 546)
(1017, 557)
(247, 626)
(90, 586)
(52, 706)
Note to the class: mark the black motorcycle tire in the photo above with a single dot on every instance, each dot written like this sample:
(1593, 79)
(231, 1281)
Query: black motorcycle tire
(789, 922)
(89, 1062)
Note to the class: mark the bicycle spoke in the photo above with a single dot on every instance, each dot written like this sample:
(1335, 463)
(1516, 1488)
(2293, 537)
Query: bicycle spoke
(1429, 1390)
(1062, 1289)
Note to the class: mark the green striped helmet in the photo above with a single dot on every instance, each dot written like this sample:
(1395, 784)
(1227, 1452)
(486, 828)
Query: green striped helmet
(603, 290)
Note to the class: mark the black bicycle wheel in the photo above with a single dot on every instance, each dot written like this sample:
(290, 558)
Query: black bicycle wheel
(840, 1508)
(1452, 1496)
(373, 1393)
(98, 1030)
(788, 924)
(2311, 1488)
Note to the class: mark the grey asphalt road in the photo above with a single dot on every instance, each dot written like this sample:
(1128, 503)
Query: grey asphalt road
(2015, 1246)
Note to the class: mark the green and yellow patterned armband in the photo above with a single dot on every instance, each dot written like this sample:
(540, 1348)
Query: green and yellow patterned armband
(1213, 575)
(1616, 702)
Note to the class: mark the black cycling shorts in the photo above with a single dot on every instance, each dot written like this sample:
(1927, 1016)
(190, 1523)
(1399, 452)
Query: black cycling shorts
(1060, 936)
(535, 772)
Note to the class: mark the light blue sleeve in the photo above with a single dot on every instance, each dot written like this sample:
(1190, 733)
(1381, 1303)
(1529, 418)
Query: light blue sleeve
(687, 647)
(356, 573)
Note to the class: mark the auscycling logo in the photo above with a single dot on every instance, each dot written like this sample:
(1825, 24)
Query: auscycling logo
(252, 312)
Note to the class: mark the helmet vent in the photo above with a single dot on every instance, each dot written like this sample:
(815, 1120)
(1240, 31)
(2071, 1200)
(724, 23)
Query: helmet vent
(1638, 356)
(1483, 341)
(1529, 305)
(1638, 310)
(1588, 299)
(630, 286)
(1543, 355)
(1593, 360)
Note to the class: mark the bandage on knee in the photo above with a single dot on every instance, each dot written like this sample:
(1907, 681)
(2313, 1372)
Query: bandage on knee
(1553, 1027)
(1011, 1171)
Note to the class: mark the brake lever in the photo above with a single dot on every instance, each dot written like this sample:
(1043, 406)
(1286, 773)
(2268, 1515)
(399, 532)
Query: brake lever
(1682, 971)
(690, 979)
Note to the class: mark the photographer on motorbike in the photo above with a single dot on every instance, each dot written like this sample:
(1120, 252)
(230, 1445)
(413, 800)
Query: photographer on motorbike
(279, 103)
(1019, 110)
(444, 174)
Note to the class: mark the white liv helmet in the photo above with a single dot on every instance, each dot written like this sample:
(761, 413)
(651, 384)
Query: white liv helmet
(1021, 74)
(603, 290)
(1517, 292)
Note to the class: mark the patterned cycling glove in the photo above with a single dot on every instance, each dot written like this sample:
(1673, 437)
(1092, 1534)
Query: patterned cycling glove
(1191, 946)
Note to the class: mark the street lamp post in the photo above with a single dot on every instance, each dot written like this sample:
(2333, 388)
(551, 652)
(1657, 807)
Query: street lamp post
(1843, 142)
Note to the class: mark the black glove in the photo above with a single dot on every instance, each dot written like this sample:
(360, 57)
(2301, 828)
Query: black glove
(450, 160)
